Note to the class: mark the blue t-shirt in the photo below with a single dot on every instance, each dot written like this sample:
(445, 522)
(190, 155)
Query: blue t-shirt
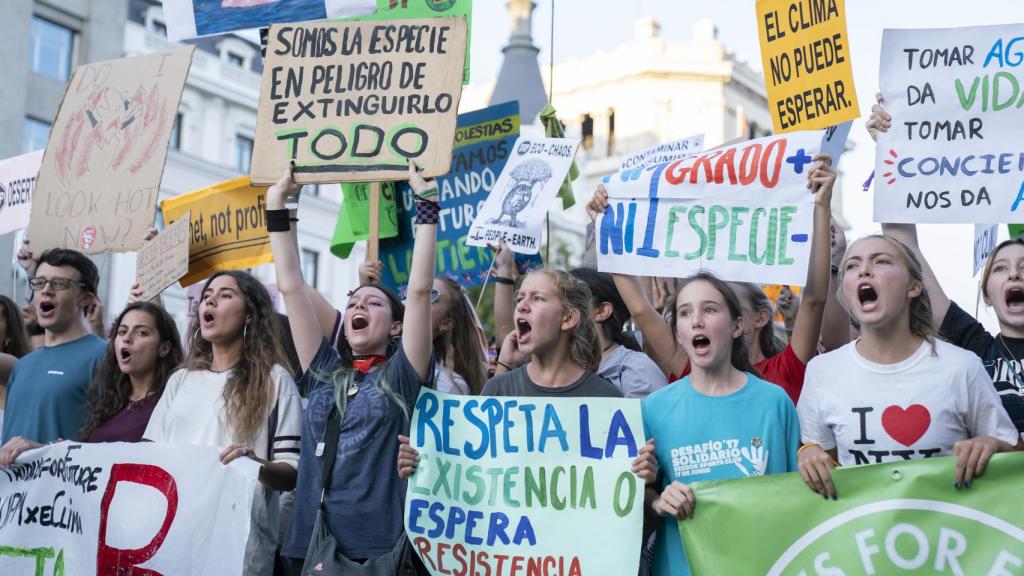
(366, 498)
(47, 389)
(751, 432)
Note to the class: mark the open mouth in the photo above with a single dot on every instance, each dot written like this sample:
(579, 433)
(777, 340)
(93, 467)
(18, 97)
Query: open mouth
(359, 322)
(523, 327)
(125, 354)
(1015, 299)
(866, 294)
(208, 317)
(701, 343)
(46, 307)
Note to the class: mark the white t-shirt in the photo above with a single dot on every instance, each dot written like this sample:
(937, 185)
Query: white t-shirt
(917, 408)
(191, 411)
(449, 381)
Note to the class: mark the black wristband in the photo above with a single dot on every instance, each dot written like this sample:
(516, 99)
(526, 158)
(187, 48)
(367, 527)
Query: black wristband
(427, 212)
(504, 280)
(277, 220)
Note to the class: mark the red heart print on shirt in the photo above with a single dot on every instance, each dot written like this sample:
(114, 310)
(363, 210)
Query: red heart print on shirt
(906, 426)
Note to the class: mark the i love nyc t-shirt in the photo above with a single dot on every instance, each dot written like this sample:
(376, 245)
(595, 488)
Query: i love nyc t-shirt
(917, 408)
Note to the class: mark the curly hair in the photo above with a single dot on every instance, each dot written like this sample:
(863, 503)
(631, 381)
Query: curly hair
(575, 296)
(460, 345)
(15, 341)
(111, 389)
(249, 392)
(920, 307)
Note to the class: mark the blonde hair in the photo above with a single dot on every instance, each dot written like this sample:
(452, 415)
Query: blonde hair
(987, 271)
(575, 295)
(920, 307)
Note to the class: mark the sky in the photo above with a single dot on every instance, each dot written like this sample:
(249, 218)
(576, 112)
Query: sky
(585, 26)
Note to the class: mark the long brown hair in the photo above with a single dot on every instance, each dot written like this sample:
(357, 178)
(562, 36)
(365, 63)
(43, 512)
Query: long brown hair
(987, 271)
(249, 392)
(771, 344)
(15, 341)
(739, 355)
(575, 295)
(460, 345)
(111, 389)
(920, 307)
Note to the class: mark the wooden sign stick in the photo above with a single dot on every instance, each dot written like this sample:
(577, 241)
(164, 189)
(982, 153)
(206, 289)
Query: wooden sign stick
(373, 240)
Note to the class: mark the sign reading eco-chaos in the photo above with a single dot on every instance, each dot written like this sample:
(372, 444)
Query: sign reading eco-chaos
(742, 211)
(525, 485)
(806, 55)
(483, 142)
(355, 101)
(954, 152)
(899, 518)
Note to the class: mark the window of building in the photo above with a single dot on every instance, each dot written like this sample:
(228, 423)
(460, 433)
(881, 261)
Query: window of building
(235, 60)
(158, 27)
(611, 132)
(309, 260)
(50, 49)
(243, 153)
(34, 134)
(587, 130)
(176, 132)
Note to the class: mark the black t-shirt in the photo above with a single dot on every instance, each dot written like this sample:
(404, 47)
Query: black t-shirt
(518, 383)
(1001, 355)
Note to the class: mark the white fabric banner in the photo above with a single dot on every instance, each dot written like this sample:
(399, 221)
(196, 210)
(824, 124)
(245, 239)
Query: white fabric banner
(520, 198)
(74, 509)
(953, 153)
(17, 184)
(742, 211)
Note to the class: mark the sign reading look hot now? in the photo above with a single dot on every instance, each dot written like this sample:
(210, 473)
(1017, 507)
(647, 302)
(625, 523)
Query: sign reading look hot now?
(355, 101)
(806, 54)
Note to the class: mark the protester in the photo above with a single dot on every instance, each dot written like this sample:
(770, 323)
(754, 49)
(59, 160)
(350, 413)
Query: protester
(144, 348)
(46, 391)
(722, 401)
(896, 393)
(371, 384)
(622, 362)
(778, 363)
(235, 392)
(13, 344)
(1002, 287)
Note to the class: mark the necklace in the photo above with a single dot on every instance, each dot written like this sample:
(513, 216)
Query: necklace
(1011, 364)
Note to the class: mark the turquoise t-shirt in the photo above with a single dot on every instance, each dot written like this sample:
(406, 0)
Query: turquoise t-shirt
(47, 389)
(751, 432)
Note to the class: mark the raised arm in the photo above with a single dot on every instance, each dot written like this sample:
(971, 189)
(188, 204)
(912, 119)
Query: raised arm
(416, 329)
(880, 121)
(302, 317)
(835, 326)
(804, 341)
(504, 291)
(659, 342)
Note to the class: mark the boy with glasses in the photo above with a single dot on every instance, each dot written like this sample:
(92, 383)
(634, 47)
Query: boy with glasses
(46, 392)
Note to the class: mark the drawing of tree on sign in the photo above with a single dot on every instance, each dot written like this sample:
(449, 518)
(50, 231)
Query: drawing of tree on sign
(112, 131)
(519, 192)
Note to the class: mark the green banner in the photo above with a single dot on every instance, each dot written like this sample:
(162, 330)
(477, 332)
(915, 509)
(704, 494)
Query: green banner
(353, 222)
(407, 9)
(899, 518)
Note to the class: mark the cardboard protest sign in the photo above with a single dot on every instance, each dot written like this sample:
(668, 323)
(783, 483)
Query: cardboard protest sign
(228, 229)
(483, 142)
(164, 259)
(405, 10)
(662, 153)
(100, 177)
(521, 196)
(953, 153)
(985, 236)
(123, 508)
(899, 518)
(741, 211)
(192, 18)
(805, 51)
(17, 183)
(353, 223)
(355, 101)
(540, 483)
